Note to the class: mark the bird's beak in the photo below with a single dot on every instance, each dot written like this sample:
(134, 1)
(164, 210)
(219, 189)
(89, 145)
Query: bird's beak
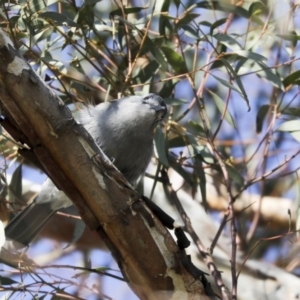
(161, 111)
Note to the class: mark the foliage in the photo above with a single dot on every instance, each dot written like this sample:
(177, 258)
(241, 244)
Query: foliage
(229, 73)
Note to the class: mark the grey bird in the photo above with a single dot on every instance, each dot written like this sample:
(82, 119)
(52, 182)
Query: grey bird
(123, 129)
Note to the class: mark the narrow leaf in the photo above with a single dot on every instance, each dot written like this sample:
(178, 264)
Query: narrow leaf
(199, 171)
(7, 281)
(267, 73)
(15, 186)
(262, 112)
(293, 127)
(217, 24)
(238, 81)
(228, 41)
(221, 107)
(256, 8)
(290, 126)
(292, 111)
(234, 175)
(293, 78)
(58, 19)
(196, 126)
(160, 145)
(127, 11)
(175, 101)
(175, 60)
(251, 55)
(181, 171)
(226, 83)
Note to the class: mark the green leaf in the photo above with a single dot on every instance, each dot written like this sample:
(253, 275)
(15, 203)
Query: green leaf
(178, 141)
(58, 19)
(164, 22)
(206, 154)
(292, 111)
(7, 281)
(205, 23)
(293, 127)
(234, 175)
(199, 171)
(186, 19)
(42, 35)
(127, 11)
(160, 145)
(175, 101)
(223, 6)
(290, 126)
(230, 58)
(149, 45)
(221, 107)
(181, 171)
(256, 8)
(15, 186)
(251, 55)
(226, 83)
(147, 72)
(217, 24)
(197, 127)
(190, 32)
(175, 60)
(272, 77)
(262, 112)
(293, 78)
(228, 41)
(77, 234)
(238, 81)
(50, 2)
(292, 36)
(36, 5)
(85, 15)
(155, 52)
(92, 2)
(168, 88)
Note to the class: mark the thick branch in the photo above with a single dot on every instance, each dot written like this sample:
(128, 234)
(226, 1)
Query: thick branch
(144, 249)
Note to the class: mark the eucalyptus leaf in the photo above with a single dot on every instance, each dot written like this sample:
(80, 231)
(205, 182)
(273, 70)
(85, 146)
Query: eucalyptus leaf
(257, 8)
(125, 10)
(199, 170)
(238, 81)
(77, 234)
(175, 60)
(262, 112)
(234, 175)
(57, 18)
(291, 79)
(221, 107)
(181, 171)
(15, 186)
(217, 24)
(160, 145)
(175, 101)
(292, 111)
(293, 127)
(228, 41)
(7, 281)
(226, 83)
(290, 126)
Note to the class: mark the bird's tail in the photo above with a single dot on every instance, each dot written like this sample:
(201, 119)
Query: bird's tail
(25, 226)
